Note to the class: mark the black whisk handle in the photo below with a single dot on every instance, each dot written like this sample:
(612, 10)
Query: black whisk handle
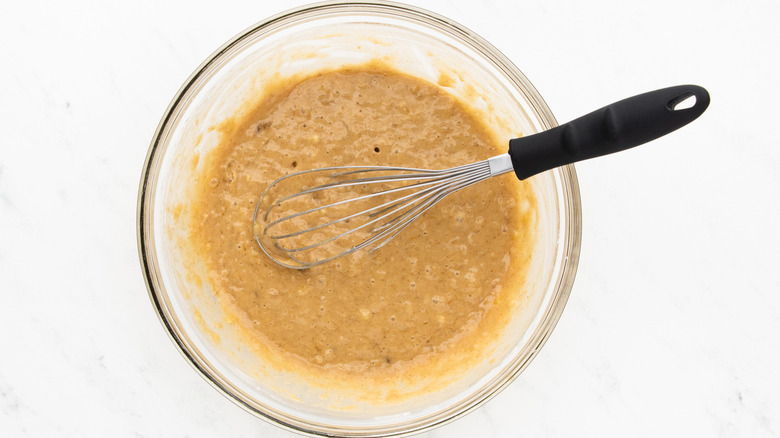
(616, 127)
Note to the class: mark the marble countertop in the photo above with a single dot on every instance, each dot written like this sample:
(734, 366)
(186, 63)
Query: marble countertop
(673, 326)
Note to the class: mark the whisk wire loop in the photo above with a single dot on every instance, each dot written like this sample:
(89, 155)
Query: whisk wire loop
(419, 190)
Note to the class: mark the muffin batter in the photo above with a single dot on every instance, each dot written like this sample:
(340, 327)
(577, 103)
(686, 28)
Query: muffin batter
(439, 291)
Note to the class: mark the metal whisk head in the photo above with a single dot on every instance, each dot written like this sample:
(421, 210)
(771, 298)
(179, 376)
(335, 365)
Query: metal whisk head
(309, 218)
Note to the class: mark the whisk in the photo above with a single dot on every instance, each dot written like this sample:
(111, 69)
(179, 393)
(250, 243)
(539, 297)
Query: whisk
(315, 216)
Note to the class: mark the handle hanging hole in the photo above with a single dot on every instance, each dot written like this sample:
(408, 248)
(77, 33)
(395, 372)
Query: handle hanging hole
(682, 102)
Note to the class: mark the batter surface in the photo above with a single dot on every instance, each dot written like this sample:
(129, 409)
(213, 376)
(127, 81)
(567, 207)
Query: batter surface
(441, 289)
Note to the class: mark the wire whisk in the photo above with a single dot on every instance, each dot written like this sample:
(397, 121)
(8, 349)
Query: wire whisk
(308, 218)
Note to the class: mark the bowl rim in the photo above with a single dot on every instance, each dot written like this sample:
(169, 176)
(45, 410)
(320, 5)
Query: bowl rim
(570, 240)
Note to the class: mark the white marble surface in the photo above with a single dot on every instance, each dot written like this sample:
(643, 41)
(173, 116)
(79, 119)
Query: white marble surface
(673, 328)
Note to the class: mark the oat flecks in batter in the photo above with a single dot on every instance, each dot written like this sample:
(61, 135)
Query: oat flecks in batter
(443, 285)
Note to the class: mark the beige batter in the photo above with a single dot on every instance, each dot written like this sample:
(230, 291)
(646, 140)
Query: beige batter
(438, 291)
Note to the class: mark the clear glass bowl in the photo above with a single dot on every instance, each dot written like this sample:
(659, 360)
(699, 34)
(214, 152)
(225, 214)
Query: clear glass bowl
(319, 37)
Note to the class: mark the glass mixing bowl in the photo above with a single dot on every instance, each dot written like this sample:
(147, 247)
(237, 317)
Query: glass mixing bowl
(320, 37)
